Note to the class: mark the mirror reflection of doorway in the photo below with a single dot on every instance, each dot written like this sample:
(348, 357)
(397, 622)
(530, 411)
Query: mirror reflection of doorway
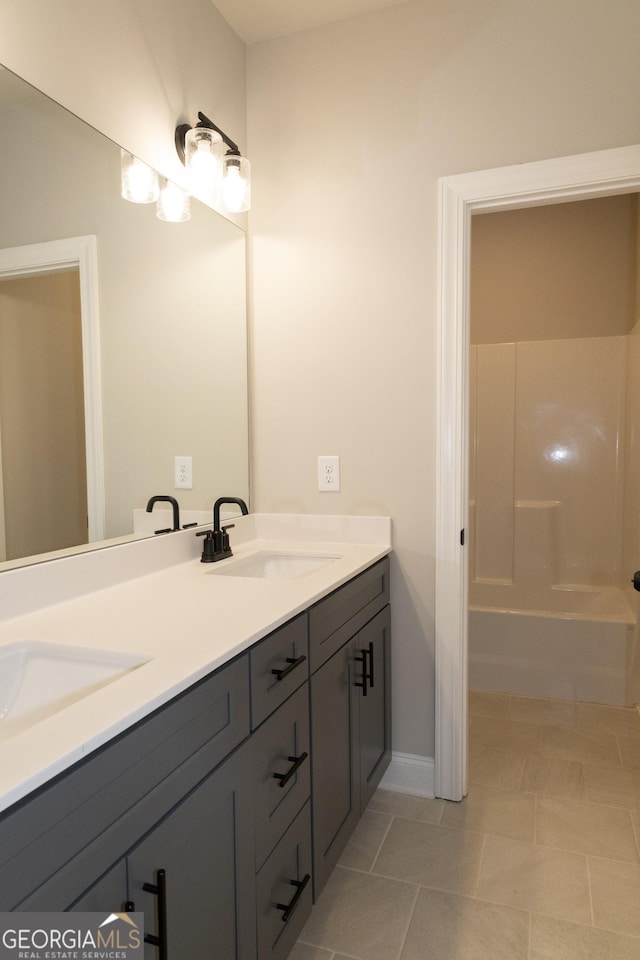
(43, 485)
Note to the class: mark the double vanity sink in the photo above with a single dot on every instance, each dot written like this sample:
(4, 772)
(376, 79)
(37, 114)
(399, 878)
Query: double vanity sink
(38, 679)
(76, 673)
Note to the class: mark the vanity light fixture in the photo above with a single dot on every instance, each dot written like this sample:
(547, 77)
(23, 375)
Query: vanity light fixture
(139, 181)
(222, 179)
(173, 203)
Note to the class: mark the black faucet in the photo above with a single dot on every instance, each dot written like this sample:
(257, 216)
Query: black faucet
(216, 543)
(175, 507)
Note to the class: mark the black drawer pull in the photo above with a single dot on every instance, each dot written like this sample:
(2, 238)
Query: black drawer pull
(158, 889)
(296, 764)
(293, 663)
(288, 908)
(367, 675)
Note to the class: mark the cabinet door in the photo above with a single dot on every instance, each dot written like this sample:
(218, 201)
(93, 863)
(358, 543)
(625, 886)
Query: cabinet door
(373, 643)
(336, 805)
(208, 876)
(109, 894)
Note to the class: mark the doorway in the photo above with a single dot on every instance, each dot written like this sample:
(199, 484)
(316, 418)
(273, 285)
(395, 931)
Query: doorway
(79, 255)
(553, 181)
(43, 488)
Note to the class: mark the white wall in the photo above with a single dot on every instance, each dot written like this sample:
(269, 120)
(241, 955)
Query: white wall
(350, 125)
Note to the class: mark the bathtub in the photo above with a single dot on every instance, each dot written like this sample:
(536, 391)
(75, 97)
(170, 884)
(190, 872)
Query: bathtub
(575, 643)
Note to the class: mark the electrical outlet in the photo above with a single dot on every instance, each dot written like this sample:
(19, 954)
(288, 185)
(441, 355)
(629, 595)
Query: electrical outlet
(329, 473)
(183, 473)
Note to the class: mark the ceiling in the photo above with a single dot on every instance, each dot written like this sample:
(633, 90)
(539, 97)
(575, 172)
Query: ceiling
(255, 20)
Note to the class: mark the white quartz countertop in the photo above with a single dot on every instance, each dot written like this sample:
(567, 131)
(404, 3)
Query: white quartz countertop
(182, 615)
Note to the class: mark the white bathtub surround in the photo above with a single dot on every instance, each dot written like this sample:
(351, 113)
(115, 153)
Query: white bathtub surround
(545, 465)
(539, 653)
(548, 613)
(154, 598)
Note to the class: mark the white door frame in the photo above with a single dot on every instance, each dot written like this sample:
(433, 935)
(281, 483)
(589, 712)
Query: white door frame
(560, 180)
(80, 253)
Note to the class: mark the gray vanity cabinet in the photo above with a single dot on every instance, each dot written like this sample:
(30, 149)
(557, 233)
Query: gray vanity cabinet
(281, 775)
(374, 709)
(202, 847)
(224, 811)
(60, 839)
(195, 869)
(350, 709)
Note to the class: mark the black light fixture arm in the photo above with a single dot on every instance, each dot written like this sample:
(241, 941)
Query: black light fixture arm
(183, 128)
(205, 122)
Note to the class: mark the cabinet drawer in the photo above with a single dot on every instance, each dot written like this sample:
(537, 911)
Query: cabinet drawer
(279, 664)
(281, 765)
(193, 733)
(335, 619)
(285, 882)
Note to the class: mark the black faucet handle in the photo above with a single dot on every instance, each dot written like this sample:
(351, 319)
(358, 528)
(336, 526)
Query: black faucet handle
(210, 547)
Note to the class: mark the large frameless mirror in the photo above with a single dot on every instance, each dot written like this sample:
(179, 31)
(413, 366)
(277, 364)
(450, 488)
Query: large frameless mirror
(159, 372)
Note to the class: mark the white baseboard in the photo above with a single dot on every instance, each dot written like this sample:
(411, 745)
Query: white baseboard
(408, 773)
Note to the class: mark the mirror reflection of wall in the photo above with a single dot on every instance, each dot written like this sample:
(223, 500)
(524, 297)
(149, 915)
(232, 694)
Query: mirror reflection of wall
(172, 304)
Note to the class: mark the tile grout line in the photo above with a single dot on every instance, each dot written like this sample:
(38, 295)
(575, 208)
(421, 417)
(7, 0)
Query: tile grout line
(380, 845)
(410, 918)
(593, 919)
(476, 884)
(636, 831)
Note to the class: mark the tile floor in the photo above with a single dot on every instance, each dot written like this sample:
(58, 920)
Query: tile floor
(541, 861)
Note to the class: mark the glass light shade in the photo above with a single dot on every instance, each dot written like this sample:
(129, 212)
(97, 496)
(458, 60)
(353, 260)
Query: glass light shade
(236, 183)
(173, 203)
(203, 149)
(139, 181)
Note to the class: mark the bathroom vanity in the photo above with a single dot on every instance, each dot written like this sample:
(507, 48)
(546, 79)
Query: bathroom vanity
(221, 813)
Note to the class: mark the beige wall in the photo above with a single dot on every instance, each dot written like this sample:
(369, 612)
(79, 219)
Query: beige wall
(554, 272)
(350, 125)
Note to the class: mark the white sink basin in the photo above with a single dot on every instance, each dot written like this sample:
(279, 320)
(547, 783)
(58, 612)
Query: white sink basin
(39, 679)
(272, 563)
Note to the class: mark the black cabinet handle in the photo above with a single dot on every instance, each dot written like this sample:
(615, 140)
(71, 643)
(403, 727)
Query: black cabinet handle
(158, 889)
(296, 764)
(288, 908)
(293, 663)
(367, 673)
